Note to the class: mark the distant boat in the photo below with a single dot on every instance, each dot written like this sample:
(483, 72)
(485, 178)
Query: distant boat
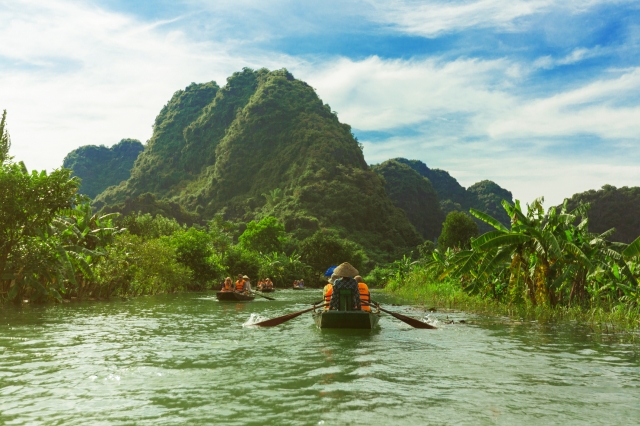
(232, 296)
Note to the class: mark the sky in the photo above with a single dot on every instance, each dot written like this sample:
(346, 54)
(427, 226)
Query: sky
(540, 96)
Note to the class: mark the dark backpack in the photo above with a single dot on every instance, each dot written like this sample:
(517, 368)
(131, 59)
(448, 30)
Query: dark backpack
(346, 296)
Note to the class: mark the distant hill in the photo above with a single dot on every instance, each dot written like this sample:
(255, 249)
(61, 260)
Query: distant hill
(414, 194)
(612, 207)
(100, 167)
(265, 144)
(485, 195)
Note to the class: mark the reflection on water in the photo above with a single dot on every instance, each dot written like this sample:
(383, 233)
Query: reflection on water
(188, 359)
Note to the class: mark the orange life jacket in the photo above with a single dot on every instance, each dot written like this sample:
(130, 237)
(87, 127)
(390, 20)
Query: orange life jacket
(228, 287)
(328, 291)
(365, 296)
(240, 285)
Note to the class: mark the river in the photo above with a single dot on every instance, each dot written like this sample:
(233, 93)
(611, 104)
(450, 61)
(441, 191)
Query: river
(188, 359)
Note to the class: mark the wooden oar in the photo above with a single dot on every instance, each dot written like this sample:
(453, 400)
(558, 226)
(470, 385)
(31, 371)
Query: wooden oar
(279, 320)
(268, 298)
(411, 321)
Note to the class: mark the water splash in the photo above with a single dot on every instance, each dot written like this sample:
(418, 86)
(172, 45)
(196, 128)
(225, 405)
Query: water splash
(431, 320)
(254, 319)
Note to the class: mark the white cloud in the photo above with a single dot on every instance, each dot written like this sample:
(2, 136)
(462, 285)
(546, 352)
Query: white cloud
(607, 108)
(577, 55)
(376, 94)
(432, 18)
(75, 74)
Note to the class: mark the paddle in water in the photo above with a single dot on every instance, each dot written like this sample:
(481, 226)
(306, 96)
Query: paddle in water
(411, 321)
(284, 318)
(268, 298)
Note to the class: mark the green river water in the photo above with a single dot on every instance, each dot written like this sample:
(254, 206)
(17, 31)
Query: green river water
(188, 359)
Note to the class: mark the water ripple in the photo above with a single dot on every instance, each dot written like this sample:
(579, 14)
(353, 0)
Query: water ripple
(190, 359)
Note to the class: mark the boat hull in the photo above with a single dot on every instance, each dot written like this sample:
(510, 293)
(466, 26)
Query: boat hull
(267, 290)
(346, 319)
(232, 296)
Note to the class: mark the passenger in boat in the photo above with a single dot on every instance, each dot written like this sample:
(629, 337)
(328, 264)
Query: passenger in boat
(327, 291)
(295, 283)
(345, 272)
(365, 296)
(247, 284)
(228, 284)
(240, 284)
(269, 284)
(301, 283)
(260, 285)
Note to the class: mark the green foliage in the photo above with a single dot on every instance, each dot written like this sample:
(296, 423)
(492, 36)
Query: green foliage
(241, 261)
(485, 196)
(100, 167)
(283, 269)
(149, 227)
(413, 194)
(457, 231)
(135, 266)
(612, 207)
(193, 249)
(446, 186)
(273, 197)
(546, 258)
(546, 264)
(325, 248)
(5, 140)
(265, 236)
(221, 233)
(263, 145)
(147, 203)
(31, 252)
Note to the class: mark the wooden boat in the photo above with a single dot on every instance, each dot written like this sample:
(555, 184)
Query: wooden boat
(232, 296)
(346, 319)
(267, 290)
(298, 288)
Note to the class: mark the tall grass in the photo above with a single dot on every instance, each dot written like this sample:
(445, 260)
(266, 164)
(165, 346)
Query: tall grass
(419, 286)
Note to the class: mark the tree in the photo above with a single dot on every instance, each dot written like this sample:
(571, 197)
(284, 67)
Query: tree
(325, 248)
(457, 231)
(265, 236)
(31, 251)
(193, 249)
(5, 140)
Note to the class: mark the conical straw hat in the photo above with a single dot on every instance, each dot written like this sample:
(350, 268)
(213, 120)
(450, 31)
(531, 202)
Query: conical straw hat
(345, 270)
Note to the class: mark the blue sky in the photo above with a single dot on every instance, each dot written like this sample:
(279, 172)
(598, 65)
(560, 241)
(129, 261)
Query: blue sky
(541, 96)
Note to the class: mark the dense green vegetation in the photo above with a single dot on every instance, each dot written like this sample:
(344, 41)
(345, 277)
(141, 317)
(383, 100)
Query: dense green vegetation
(457, 231)
(414, 194)
(266, 145)
(485, 195)
(53, 247)
(612, 207)
(543, 259)
(100, 167)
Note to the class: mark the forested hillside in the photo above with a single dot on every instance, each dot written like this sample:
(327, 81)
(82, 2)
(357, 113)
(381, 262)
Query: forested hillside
(485, 195)
(612, 207)
(265, 144)
(100, 167)
(415, 195)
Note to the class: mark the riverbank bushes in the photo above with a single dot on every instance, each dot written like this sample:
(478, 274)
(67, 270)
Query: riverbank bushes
(54, 247)
(545, 265)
